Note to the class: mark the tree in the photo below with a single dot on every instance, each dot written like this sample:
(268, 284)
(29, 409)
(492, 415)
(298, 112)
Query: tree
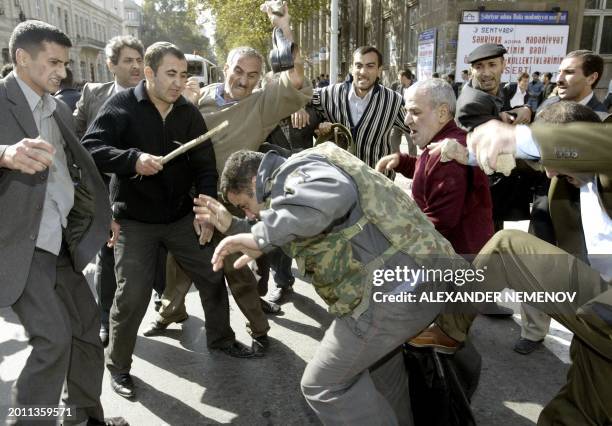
(175, 21)
(241, 23)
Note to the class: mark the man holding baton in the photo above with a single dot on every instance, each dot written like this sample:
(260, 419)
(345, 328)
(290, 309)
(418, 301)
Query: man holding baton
(152, 203)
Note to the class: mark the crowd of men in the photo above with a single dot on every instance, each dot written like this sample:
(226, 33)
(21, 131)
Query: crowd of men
(86, 175)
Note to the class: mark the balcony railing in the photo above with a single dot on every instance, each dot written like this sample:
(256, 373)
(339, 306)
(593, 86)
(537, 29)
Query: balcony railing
(89, 42)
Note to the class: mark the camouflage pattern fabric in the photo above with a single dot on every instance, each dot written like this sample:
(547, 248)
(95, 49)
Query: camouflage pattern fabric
(340, 279)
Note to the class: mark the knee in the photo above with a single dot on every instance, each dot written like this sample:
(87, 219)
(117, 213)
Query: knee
(309, 385)
(55, 346)
(314, 387)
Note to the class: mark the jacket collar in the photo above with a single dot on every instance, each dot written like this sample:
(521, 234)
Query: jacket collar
(265, 175)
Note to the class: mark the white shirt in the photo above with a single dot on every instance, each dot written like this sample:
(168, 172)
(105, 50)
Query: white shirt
(59, 194)
(586, 99)
(119, 88)
(596, 223)
(597, 227)
(519, 98)
(357, 105)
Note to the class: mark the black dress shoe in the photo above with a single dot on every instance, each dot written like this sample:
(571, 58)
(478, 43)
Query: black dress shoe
(158, 327)
(108, 421)
(269, 307)
(238, 350)
(123, 385)
(104, 335)
(526, 346)
(155, 328)
(260, 345)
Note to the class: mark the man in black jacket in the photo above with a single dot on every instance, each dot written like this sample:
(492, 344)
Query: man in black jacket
(153, 203)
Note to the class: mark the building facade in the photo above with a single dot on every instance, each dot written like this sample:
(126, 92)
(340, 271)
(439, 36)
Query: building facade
(88, 23)
(394, 27)
(132, 18)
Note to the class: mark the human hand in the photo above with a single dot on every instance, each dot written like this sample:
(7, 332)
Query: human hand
(209, 210)
(244, 243)
(523, 115)
(324, 128)
(300, 119)
(148, 164)
(203, 230)
(28, 156)
(388, 162)
(490, 141)
(449, 150)
(192, 90)
(115, 228)
(277, 12)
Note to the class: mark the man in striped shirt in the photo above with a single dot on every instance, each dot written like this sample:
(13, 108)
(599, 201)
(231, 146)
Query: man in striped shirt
(366, 107)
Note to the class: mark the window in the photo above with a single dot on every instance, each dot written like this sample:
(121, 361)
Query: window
(597, 18)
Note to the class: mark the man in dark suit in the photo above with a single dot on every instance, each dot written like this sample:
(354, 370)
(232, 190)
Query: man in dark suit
(579, 74)
(55, 215)
(124, 59)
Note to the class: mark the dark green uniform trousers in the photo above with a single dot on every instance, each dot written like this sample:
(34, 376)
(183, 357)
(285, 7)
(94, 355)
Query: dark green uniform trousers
(522, 262)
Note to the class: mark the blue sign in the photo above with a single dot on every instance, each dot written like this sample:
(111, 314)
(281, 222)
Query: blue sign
(508, 17)
(427, 35)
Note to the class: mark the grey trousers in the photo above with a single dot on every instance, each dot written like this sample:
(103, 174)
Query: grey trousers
(59, 313)
(135, 265)
(337, 382)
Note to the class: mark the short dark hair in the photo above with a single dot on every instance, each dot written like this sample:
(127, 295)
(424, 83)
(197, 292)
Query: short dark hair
(536, 73)
(566, 112)
(364, 50)
(237, 175)
(465, 72)
(591, 62)
(548, 75)
(30, 35)
(522, 76)
(155, 54)
(6, 70)
(407, 74)
(115, 44)
(435, 75)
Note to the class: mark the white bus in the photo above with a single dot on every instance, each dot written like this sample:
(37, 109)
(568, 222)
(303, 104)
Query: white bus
(201, 68)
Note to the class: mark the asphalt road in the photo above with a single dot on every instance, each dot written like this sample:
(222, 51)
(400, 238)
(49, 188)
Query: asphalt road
(179, 382)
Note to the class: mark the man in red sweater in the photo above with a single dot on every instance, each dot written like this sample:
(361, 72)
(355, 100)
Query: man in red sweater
(454, 197)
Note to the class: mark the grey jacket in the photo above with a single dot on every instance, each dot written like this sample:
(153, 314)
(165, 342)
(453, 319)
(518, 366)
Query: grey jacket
(22, 196)
(310, 197)
(92, 98)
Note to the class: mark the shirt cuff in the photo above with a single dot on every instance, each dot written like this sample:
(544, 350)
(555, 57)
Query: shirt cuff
(238, 226)
(258, 231)
(526, 147)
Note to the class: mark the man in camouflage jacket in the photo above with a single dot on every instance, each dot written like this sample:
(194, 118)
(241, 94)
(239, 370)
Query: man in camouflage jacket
(331, 212)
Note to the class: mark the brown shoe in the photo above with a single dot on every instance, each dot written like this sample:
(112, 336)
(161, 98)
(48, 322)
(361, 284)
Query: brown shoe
(160, 324)
(435, 338)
